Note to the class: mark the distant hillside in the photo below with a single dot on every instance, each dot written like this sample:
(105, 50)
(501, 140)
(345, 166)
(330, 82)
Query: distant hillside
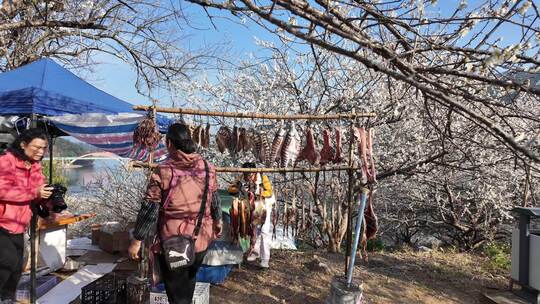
(66, 148)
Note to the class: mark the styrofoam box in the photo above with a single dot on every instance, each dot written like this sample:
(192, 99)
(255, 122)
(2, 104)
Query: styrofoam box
(200, 296)
(44, 284)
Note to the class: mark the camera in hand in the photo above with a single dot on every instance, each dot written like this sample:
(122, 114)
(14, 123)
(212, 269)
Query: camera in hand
(55, 202)
(57, 198)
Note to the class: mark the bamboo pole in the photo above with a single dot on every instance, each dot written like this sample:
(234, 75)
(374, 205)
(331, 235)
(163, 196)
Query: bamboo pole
(352, 115)
(139, 164)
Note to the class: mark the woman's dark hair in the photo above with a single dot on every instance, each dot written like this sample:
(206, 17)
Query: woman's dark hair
(26, 137)
(180, 137)
(249, 165)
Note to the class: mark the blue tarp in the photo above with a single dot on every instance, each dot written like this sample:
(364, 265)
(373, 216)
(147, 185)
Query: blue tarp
(46, 88)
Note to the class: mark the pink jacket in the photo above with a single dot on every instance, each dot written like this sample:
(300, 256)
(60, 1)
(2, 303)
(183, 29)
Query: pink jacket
(18, 188)
(181, 214)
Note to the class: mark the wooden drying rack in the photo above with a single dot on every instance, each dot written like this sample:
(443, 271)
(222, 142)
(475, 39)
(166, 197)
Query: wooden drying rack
(139, 164)
(349, 116)
(343, 116)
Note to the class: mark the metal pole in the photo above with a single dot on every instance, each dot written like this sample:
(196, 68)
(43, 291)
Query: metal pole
(33, 257)
(350, 198)
(357, 236)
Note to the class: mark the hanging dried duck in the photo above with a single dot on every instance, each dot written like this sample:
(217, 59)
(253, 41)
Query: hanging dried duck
(256, 144)
(223, 137)
(290, 147)
(265, 148)
(146, 134)
(310, 152)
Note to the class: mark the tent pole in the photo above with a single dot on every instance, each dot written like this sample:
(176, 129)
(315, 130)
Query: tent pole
(33, 240)
(51, 138)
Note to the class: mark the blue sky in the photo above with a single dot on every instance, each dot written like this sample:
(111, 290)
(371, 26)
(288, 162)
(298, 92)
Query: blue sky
(117, 78)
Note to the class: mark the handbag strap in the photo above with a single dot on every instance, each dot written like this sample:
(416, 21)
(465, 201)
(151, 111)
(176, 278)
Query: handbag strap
(204, 199)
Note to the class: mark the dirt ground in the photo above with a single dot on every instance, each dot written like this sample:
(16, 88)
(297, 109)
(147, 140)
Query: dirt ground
(400, 277)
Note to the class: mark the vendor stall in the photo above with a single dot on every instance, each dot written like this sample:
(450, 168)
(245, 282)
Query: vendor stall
(285, 153)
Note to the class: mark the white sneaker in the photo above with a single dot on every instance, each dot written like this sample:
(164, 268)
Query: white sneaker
(265, 264)
(252, 258)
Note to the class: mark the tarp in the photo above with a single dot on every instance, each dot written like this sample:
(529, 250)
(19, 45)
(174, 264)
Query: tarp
(75, 107)
(45, 88)
(111, 133)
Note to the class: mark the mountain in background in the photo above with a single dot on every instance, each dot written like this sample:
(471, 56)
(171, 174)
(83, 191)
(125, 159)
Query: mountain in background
(71, 148)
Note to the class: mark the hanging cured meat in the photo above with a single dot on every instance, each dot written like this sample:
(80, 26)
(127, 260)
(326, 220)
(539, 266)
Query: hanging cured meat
(233, 142)
(242, 140)
(234, 212)
(206, 140)
(290, 147)
(310, 152)
(362, 148)
(291, 216)
(372, 223)
(277, 143)
(146, 134)
(249, 141)
(338, 158)
(327, 152)
(369, 152)
(223, 137)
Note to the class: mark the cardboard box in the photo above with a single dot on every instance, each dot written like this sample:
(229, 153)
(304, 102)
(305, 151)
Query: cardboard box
(114, 242)
(95, 233)
(200, 296)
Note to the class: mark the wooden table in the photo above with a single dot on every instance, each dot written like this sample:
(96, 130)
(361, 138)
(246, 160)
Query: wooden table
(52, 242)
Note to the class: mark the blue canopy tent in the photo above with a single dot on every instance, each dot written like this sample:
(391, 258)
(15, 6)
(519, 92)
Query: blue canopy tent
(44, 88)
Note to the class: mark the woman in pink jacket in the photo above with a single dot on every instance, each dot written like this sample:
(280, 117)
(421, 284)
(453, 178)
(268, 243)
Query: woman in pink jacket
(21, 184)
(173, 201)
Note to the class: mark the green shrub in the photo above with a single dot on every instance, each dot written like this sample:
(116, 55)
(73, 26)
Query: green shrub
(375, 245)
(59, 175)
(499, 255)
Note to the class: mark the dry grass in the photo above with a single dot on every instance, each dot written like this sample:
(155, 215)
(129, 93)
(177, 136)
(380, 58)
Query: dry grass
(400, 277)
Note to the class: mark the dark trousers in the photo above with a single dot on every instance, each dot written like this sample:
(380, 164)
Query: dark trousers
(180, 283)
(11, 262)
